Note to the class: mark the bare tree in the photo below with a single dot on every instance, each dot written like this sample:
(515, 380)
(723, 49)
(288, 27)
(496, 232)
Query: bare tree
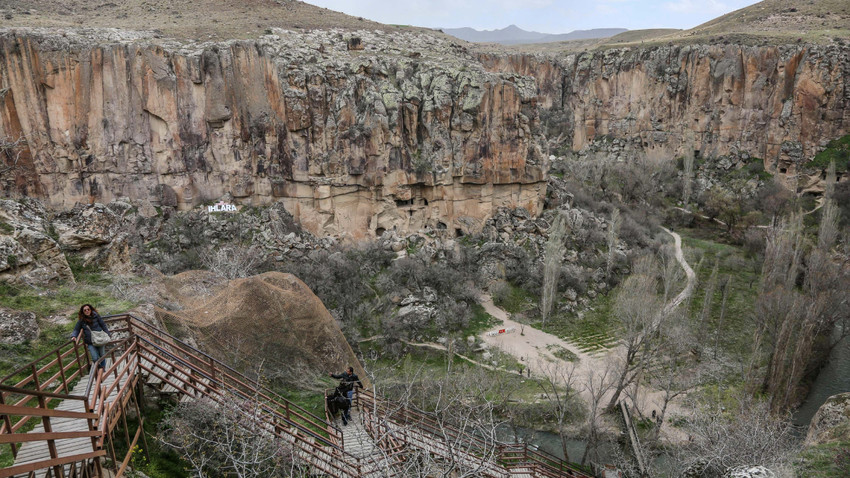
(747, 434)
(613, 230)
(558, 382)
(708, 298)
(727, 288)
(637, 308)
(687, 174)
(553, 255)
(674, 373)
(597, 384)
(457, 406)
(11, 150)
(790, 318)
(227, 439)
(830, 214)
(671, 269)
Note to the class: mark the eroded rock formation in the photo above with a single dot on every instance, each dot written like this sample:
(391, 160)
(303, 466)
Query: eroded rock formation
(28, 253)
(778, 103)
(399, 133)
(362, 132)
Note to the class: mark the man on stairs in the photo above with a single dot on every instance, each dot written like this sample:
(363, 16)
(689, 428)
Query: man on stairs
(348, 380)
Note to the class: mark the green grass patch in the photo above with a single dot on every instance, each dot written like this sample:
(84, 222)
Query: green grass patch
(87, 274)
(515, 299)
(481, 321)
(562, 353)
(6, 228)
(16, 356)
(734, 334)
(829, 460)
(64, 300)
(837, 151)
(595, 331)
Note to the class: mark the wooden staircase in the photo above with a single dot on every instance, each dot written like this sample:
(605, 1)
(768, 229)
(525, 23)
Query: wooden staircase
(58, 415)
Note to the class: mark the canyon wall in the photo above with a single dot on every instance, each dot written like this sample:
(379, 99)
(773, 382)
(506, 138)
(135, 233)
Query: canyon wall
(358, 133)
(778, 103)
(354, 133)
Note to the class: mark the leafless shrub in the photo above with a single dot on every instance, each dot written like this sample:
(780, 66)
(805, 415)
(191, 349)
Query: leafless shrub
(234, 261)
(747, 434)
(226, 440)
(11, 150)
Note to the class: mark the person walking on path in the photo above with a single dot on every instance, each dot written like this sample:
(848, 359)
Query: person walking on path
(348, 380)
(89, 320)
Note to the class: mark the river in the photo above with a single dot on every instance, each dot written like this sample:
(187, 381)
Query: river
(833, 378)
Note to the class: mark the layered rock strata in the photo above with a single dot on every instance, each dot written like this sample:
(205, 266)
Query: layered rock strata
(778, 103)
(401, 132)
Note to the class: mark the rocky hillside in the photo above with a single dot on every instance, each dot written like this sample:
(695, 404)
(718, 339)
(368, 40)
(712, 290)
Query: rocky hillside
(778, 103)
(358, 132)
(182, 19)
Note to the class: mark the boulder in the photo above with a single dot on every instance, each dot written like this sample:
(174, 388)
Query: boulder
(87, 226)
(831, 422)
(750, 472)
(17, 327)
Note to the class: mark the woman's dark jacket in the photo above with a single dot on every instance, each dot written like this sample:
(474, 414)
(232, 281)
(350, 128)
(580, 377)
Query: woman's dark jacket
(97, 324)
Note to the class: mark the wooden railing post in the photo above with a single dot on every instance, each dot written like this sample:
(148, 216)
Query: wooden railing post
(77, 356)
(59, 470)
(212, 374)
(98, 469)
(62, 371)
(7, 421)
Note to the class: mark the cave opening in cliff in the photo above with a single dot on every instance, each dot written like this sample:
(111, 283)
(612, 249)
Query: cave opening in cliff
(380, 232)
(458, 232)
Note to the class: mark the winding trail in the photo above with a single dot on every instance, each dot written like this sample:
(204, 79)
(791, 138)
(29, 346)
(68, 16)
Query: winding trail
(689, 273)
(529, 346)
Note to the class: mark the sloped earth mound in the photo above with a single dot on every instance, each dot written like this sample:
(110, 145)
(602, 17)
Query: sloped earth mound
(271, 323)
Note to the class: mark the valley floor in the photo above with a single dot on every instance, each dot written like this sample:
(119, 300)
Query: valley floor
(532, 347)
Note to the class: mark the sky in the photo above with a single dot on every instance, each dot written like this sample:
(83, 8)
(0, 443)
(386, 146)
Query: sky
(546, 16)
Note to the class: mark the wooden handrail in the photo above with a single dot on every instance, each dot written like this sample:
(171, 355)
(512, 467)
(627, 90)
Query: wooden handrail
(406, 416)
(43, 412)
(39, 359)
(149, 349)
(253, 386)
(37, 393)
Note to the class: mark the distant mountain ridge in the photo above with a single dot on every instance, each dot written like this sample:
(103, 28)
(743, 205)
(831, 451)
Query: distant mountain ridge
(514, 35)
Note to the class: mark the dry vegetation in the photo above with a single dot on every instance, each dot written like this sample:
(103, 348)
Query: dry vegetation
(181, 19)
(767, 22)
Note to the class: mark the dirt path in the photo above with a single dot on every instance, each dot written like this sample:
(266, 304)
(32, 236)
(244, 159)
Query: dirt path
(529, 346)
(689, 287)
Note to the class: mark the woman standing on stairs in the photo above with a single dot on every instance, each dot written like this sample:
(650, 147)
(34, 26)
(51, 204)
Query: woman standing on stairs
(89, 320)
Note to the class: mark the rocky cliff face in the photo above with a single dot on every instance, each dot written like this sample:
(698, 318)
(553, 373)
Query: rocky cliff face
(353, 132)
(779, 103)
(365, 132)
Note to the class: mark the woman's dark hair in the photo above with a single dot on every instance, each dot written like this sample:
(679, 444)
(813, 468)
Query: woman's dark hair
(87, 318)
